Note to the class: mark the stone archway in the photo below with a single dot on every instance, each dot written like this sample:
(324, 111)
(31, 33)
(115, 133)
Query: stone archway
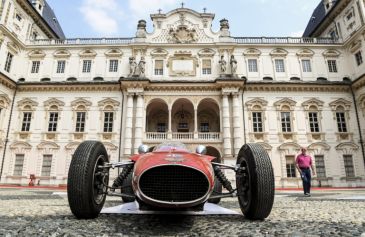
(182, 114)
(157, 119)
(208, 116)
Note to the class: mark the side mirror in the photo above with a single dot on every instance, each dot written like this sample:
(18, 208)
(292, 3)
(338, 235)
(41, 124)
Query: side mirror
(143, 149)
(201, 150)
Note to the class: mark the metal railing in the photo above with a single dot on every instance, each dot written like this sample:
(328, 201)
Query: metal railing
(285, 40)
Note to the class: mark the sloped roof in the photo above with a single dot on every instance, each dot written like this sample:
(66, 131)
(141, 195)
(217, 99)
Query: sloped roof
(50, 17)
(318, 16)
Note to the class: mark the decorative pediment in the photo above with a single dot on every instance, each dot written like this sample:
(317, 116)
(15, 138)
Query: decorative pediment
(110, 146)
(87, 53)
(265, 145)
(331, 53)
(72, 145)
(159, 53)
(318, 148)
(305, 53)
(256, 104)
(289, 148)
(206, 53)
(27, 104)
(361, 101)
(182, 35)
(81, 102)
(285, 102)
(347, 148)
(15, 49)
(113, 53)
(63, 53)
(108, 103)
(355, 46)
(4, 101)
(340, 102)
(20, 146)
(279, 53)
(48, 146)
(54, 102)
(313, 102)
(39, 54)
(252, 52)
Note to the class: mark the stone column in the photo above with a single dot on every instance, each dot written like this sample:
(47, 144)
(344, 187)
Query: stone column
(139, 123)
(128, 126)
(237, 123)
(195, 123)
(227, 146)
(169, 135)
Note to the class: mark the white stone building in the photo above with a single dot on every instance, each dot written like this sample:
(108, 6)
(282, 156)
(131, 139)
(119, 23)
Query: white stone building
(171, 84)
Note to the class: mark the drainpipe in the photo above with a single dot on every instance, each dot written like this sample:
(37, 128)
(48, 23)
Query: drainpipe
(7, 132)
(243, 110)
(358, 124)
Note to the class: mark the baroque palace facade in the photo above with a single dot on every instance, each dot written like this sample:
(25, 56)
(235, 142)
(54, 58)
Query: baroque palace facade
(185, 82)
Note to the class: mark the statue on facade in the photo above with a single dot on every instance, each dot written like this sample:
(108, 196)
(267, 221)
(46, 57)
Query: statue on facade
(132, 66)
(142, 67)
(223, 64)
(233, 63)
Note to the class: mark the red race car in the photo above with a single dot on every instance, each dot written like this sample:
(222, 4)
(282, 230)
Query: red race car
(170, 178)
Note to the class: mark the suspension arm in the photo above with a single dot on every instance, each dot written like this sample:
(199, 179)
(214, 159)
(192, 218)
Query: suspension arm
(231, 167)
(115, 165)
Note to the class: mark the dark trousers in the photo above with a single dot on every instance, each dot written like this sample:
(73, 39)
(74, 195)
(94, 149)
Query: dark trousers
(306, 178)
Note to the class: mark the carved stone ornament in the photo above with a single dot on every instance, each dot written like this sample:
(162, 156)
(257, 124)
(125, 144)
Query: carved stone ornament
(182, 35)
(331, 53)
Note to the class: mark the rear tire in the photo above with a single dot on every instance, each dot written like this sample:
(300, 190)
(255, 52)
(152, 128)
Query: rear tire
(127, 189)
(255, 185)
(85, 188)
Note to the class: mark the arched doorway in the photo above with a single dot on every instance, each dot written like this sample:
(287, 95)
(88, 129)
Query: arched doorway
(182, 124)
(157, 117)
(208, 120)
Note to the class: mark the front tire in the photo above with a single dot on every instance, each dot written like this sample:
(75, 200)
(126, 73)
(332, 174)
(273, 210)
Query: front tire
(127, 189)
(86, 182)
(255, 182)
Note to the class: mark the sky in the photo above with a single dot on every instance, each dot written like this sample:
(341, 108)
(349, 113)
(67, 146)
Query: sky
(118, 18)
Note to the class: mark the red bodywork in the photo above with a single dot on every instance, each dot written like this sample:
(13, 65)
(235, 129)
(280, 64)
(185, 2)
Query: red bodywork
(168, 156)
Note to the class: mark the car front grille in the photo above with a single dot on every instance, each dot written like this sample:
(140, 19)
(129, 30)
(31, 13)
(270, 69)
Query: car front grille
(173, 183)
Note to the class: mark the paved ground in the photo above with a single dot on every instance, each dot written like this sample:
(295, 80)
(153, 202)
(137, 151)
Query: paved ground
(27, 212)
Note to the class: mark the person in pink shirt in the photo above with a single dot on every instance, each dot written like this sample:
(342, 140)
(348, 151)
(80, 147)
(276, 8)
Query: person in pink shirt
(304, 164)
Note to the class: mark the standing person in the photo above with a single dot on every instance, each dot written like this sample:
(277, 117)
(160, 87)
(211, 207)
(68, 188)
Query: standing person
(304, 164)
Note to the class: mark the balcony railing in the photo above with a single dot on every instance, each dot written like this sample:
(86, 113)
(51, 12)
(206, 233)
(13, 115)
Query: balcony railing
(207, 136)
(285, 40)
(82, 41)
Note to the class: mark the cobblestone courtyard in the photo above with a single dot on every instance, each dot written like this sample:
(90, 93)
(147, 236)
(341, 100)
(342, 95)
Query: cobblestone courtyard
(36, 212)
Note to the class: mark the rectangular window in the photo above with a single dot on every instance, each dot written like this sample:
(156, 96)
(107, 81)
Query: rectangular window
(313, 122)
(35, 66)
(53, 120)
(207, 67)
(18, 166)
(358, 57)
(349, 165)
(8, 62)
(341, 122)
(320, 166)
(61, 64)
(86, 66)
(332, 65)
(290, 167)
(257, 121)
(252, 65)
(306, 64)
(80, 121)
(204, 127)
(161, 127)
(279, 65)
(27, 117)
(113, 66)
(285, 122)
(159, 67)
(18, 17)
(46, 165)
(108, 121)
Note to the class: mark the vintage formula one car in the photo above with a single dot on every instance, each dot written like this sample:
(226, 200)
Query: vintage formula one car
(170, 178)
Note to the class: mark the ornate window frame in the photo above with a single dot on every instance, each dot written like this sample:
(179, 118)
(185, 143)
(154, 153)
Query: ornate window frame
(332, 54)
(252, 54)
(25, 105)
(47, 148)
(305, 54)
(52, 105)
(107, 105)
(345, 106)
(257, 105)
(21, 148)
(349, 148)
(79, 105)
(288, 149)
(314, 105)
(286, 105)
(279, 54)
